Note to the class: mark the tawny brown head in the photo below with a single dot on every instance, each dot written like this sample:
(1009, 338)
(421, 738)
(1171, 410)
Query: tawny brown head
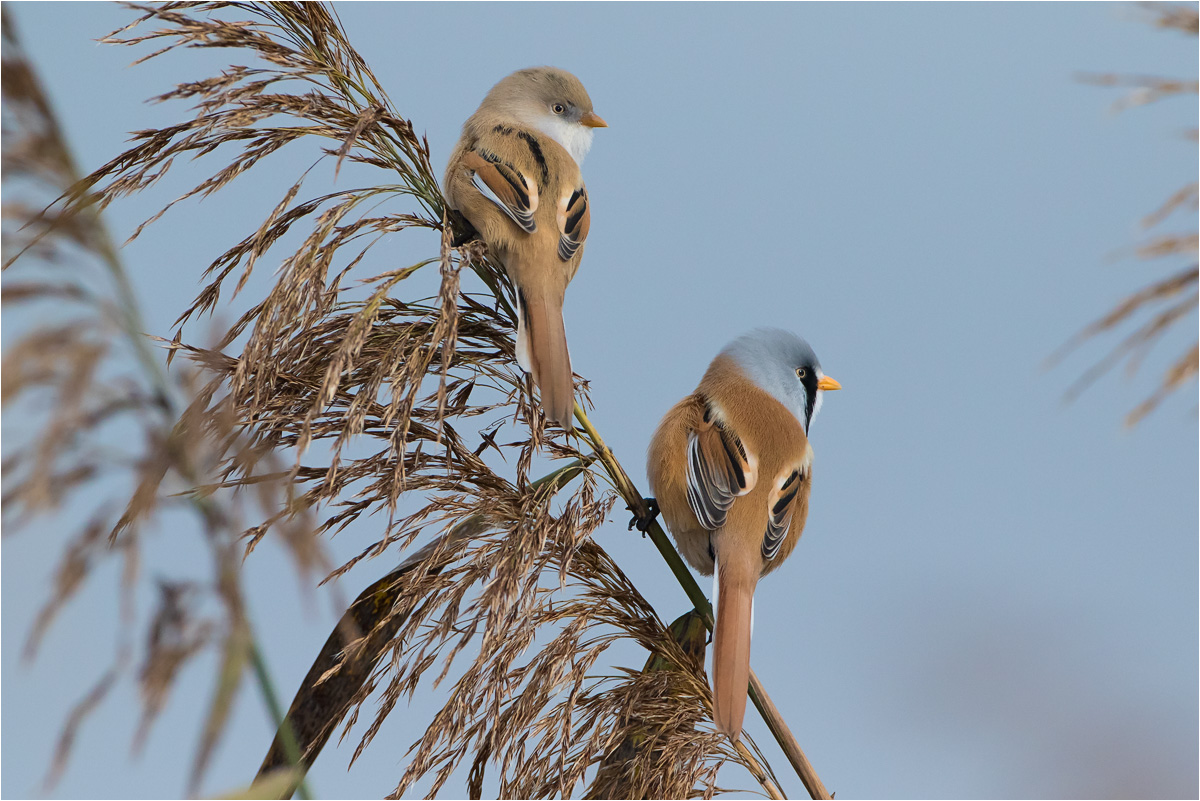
(551, 100)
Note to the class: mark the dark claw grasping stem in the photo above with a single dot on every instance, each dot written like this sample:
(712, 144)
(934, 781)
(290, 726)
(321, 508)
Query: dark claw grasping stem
(643, 523)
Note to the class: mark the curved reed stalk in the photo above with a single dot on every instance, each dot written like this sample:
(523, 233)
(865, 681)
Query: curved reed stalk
(379, 396)
(758, 694)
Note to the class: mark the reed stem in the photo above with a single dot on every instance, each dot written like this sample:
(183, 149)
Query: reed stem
(758, 694)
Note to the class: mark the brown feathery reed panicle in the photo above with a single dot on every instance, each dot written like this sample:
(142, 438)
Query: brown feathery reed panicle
(99, 414)
(547, 720)
(383, 397)
(1174, 297)
(635, 766)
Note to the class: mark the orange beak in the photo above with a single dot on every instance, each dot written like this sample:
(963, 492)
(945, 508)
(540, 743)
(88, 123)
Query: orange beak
(592, 120)
(828, 383)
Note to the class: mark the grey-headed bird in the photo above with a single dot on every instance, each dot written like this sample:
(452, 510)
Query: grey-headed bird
(731, 469)
(514, 175)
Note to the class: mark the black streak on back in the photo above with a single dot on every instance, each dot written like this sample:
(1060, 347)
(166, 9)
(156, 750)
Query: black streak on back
(536, 150)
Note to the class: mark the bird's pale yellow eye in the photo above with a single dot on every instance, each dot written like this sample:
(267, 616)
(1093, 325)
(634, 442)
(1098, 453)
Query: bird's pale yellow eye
(559, 108)
(801, 372)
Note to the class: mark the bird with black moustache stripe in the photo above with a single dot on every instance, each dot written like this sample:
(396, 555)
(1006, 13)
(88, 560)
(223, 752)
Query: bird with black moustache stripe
(515, 176)
(731, 469)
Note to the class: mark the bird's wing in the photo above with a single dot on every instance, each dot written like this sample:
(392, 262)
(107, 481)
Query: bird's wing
(780, 504)
(504, 185)
(719, 470)
(574, 219)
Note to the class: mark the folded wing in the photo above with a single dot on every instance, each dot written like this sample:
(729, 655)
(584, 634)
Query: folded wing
(574, 219)
(719, 470)
(781, 502)
(504, 185)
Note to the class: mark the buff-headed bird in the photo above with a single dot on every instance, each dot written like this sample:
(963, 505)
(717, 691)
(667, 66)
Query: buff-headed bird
(515, 176)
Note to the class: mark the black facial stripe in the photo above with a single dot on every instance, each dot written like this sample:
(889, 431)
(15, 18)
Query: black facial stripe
(810, 395)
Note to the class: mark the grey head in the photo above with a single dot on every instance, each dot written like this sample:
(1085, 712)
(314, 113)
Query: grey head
(784, 366)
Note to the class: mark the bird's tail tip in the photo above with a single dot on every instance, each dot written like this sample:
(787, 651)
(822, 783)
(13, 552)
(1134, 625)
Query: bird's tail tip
(542, 349)
(731, 647)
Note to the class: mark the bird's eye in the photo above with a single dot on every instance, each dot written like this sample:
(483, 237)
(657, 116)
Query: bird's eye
(559, 108)
(801, 372)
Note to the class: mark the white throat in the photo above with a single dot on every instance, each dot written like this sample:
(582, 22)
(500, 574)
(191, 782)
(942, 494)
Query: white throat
(576, 139)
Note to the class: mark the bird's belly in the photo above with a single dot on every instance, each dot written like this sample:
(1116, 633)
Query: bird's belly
(691, 539)
(694, 546)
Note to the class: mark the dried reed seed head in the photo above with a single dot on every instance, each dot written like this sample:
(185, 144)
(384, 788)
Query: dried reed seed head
(320, 369)
(1169, 299)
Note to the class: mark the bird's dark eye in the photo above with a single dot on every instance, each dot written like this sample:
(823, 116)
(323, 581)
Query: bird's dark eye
(801, 372)
(559, 108)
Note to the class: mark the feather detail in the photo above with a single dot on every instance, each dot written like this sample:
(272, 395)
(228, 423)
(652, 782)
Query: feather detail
(718, 470)
(780, 504)
(504, 185)
(574, 220)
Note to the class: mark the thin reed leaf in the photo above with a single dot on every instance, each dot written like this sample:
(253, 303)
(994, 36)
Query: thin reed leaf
(344, 400)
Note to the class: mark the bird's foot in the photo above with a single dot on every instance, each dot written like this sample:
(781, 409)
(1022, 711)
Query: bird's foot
(461, 229)
(643, 523)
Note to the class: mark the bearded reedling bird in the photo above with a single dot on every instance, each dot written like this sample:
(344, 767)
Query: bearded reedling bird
(514, 175)
(731, 468)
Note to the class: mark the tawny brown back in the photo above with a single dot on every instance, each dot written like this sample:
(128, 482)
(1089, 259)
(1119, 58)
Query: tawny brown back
(775, 450)
(548, 179)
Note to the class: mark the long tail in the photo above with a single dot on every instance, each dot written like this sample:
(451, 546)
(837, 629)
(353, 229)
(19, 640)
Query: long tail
(731, 645)
(542, 351)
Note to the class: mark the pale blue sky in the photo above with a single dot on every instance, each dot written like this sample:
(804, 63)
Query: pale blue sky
(996, 593)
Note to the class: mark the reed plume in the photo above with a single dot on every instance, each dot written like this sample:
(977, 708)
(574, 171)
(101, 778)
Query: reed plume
(1160, 305)
(341, 395)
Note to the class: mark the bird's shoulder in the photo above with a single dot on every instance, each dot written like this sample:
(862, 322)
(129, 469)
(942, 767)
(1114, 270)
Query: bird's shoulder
(525, 148)
(758, 419)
